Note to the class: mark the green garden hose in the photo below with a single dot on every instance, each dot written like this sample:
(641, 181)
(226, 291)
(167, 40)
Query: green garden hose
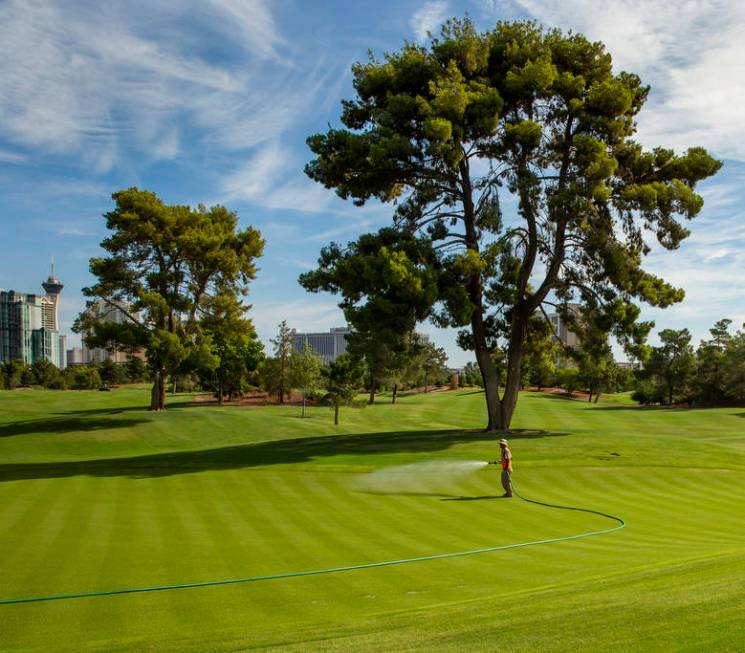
(333, 570)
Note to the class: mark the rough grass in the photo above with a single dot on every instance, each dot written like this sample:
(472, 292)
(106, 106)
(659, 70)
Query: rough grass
(97, 493)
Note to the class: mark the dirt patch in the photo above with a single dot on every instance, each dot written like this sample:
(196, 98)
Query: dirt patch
(577, 395)
(256, 399)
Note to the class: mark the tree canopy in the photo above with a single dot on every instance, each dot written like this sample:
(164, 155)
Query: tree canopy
(164, 265)
(457, 131)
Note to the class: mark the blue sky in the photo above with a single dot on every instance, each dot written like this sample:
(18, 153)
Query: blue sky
(211, 101)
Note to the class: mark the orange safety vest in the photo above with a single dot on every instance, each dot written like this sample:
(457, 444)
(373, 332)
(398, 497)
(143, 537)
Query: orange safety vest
(506, 459)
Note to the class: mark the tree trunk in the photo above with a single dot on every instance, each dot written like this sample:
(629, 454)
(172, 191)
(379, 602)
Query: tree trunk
(670, 395)
(371, 398)
(302, 413)
(488, 372)
(220, 393)
(281, 393)
(395, 391)
(426, 387)
(162, 393)
(514, 361)
(336, 414)
(158, 392)
(589, 398)
(597, 397)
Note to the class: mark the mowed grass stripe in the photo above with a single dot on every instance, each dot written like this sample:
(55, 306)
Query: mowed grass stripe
(40, 565)
(232, 514)
(23, 504)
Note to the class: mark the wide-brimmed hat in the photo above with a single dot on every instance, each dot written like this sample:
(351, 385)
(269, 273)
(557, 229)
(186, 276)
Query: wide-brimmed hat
(503, 441)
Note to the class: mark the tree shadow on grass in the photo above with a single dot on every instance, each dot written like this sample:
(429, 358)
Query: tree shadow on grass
(260, 454)
(89, 419)
(114, 410)
(648, 408)
(58, 425)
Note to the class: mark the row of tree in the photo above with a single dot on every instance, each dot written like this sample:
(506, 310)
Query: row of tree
(16, 374)
(451, 132)
(713, 373)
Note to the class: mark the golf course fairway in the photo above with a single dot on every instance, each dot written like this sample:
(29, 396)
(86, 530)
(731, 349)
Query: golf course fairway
(98, 494)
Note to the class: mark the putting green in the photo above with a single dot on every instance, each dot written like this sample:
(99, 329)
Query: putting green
(99, 494)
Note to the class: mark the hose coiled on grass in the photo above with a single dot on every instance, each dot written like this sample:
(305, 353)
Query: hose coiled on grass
(333, 570)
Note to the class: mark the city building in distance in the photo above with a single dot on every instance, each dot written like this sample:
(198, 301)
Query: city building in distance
(329, 345)
(104, 312)
(29, 325)
(561, 332)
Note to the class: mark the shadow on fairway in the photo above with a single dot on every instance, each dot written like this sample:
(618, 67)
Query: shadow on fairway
(65, 425)
(278, 452)
(170, 405)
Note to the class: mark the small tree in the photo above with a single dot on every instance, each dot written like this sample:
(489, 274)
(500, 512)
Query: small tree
(83, 377)
(433, 363)
(541, 352)
(710, 359)
(45, 373)
(12, 372)
(733, 367)
(672, 366)
(343, 380)
(233, 345)
(568, 379)
(270, 379)
(305, 372)
(136, 369)
(282, 350)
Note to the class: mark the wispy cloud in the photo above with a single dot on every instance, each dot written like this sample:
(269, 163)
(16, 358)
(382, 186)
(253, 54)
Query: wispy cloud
(272, 177)
(11, 157)
(253, 25)
(98, 80)
(428, 18)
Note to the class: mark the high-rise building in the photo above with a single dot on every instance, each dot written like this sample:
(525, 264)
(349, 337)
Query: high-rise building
(62, 352)
(75, 356)
(53, 288)
(329, 345)
(561, 332)
(117, 314)
(29, 325)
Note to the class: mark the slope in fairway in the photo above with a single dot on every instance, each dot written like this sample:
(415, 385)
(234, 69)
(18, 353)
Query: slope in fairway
(98, 494)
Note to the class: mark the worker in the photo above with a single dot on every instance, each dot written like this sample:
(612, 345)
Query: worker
(506, 460)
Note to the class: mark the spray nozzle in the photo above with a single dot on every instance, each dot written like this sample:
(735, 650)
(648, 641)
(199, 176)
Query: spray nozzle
(492, 462)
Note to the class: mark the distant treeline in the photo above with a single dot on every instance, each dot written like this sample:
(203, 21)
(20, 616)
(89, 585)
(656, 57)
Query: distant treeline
(16, 374)
(676, 373)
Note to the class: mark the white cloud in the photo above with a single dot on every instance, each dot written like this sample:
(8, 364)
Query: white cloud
(96, 80)
(428, 18)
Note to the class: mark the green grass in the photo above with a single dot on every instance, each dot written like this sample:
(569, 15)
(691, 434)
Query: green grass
(96, 493)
